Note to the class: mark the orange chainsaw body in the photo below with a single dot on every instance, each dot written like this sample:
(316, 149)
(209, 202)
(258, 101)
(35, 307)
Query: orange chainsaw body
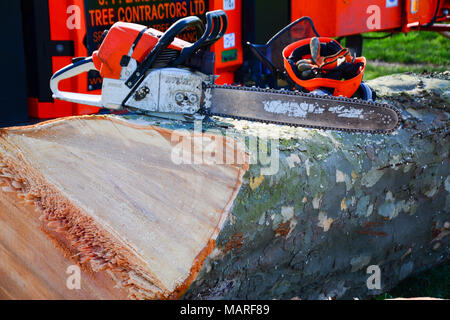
(118, 42)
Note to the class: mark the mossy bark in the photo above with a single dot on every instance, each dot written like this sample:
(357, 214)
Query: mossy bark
(339, 203)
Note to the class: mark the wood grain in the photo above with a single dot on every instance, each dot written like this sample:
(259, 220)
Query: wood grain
(108, 197)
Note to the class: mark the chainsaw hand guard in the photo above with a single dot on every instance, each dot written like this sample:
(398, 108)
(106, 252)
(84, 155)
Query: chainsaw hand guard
(216, 26)
(167, 38)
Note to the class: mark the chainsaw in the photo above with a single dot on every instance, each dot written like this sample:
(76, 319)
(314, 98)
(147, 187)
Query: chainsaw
(155, 73)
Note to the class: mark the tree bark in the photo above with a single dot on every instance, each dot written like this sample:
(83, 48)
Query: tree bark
(339, 203)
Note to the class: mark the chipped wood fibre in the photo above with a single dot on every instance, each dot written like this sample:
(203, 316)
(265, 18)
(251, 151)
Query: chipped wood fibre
(89, 232)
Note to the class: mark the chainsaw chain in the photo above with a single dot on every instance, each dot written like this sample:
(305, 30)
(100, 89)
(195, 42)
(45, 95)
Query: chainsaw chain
(302, 94)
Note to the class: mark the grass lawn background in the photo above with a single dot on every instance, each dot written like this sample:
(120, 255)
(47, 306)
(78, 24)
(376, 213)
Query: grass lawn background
(411, 52)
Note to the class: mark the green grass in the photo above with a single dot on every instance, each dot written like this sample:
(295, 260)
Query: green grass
(410, 48)
(411, 52)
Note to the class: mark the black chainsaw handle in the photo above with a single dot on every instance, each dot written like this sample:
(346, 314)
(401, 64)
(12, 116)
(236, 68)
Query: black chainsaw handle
(216, 26)
(166, 39)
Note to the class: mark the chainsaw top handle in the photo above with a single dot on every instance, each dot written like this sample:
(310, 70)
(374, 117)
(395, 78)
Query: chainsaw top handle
(216, 26)
(166, 39)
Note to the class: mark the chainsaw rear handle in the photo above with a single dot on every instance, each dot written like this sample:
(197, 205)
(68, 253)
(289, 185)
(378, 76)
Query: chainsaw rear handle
(216, 26)
(72, 70)
(166, 39)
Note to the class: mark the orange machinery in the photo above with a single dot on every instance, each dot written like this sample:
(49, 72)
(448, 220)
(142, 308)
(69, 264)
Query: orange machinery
(58, 30)
(337, 18)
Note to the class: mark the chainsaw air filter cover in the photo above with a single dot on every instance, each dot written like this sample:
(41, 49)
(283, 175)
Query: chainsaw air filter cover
(127, 40)
(344, 82)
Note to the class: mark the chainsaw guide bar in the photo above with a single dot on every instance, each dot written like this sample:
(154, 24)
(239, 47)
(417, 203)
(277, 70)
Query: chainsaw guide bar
(297, 109)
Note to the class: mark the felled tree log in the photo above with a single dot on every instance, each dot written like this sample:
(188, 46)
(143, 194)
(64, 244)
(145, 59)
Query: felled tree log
(340, 203)
(313, 211)
(108, 197)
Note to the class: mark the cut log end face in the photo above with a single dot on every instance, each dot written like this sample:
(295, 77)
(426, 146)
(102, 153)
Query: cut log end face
(109, 193)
